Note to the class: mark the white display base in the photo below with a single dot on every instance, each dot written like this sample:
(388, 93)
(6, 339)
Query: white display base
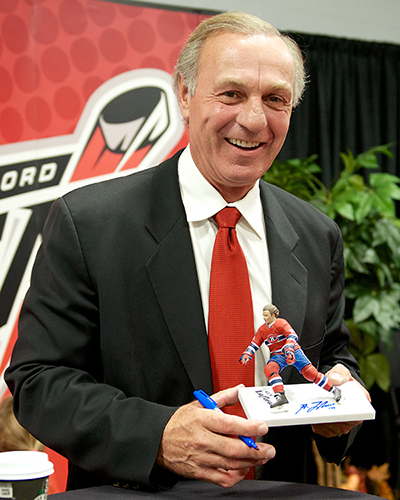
(308, 404)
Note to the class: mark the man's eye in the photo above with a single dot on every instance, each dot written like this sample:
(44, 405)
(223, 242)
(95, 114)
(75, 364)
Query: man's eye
(277, 101)
(230, 94)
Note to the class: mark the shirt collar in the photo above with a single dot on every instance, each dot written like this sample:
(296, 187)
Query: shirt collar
(202, 201)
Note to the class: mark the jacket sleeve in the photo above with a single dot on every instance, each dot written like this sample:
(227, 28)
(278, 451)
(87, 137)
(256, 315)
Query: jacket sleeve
(56, 374)
(336, 350)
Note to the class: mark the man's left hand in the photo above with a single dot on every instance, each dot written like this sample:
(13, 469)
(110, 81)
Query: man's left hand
(339, 374)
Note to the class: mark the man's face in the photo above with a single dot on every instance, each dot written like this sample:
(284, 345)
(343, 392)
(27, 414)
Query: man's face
(239, 115)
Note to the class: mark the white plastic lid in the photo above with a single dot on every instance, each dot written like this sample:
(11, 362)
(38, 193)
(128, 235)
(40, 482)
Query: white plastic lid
(19, 465)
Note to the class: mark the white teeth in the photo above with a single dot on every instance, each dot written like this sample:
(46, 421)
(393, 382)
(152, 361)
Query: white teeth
(244, 144)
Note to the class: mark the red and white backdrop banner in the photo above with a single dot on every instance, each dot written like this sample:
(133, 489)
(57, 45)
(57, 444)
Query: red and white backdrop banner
(85, 95)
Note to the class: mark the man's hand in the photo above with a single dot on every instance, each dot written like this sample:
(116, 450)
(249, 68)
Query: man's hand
(201, 444)
(339, 374)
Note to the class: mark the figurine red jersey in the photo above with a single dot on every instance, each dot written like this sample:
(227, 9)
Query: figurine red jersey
(282, 341)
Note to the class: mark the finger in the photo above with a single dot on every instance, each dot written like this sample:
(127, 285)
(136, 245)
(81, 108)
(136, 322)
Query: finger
(222, 446)
(227, 397)
(221, 477)
(339, 374)
(364, 390)
(247, 427)
(214, 432)
(335, 429)
(235, 456)
(189, 448)
(224, 424)
(209, 450)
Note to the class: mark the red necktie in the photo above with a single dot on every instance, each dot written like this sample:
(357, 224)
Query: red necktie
(230, 321)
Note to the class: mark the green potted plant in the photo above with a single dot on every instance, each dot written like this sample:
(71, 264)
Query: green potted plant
(364, 208)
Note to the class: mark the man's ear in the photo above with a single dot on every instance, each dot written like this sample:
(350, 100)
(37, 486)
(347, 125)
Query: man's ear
(184, 98)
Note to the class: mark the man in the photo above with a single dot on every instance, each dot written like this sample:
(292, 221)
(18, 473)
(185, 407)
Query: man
(113, 332)
(282, 342)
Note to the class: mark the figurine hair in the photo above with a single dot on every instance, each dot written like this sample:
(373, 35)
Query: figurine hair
(273, 310)
(233, 22)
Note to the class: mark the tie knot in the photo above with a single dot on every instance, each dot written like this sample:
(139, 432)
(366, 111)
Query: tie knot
(227, 217)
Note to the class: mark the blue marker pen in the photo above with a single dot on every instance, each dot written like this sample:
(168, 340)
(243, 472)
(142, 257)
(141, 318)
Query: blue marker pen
(207, 402)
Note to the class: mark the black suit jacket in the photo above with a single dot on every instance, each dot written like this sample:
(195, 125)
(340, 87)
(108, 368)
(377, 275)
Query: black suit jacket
(112, 337)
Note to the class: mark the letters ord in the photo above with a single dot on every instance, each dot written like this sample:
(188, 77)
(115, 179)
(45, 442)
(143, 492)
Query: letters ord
(9, 180)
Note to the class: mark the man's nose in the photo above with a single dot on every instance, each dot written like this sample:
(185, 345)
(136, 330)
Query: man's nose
(252, 115)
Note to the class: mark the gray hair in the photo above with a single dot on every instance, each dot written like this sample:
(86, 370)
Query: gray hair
(233, 22)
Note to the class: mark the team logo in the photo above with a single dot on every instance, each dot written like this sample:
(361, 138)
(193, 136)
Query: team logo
(271, 339)
(130, 123)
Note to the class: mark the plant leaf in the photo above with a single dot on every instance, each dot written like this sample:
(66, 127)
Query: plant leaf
(364, 307)
(344, 209)
(367, 159)
(378, 366)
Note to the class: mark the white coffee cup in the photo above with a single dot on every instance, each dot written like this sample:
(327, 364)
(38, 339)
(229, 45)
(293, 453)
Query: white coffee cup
(24, 475)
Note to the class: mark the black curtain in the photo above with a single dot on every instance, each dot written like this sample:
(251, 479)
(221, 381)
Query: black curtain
(352, 101)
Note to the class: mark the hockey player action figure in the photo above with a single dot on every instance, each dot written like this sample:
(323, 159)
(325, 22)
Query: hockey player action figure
(281, 340)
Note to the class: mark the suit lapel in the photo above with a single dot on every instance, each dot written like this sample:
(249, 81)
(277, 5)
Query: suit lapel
(173, 275)
(288, 274)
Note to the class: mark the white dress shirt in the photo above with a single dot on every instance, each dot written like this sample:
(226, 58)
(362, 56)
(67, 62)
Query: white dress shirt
(202, 201)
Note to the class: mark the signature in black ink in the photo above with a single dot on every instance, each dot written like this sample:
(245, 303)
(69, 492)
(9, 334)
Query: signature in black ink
(265, 396)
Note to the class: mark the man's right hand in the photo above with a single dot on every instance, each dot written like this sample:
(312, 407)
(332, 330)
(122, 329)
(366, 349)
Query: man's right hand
(200, 444)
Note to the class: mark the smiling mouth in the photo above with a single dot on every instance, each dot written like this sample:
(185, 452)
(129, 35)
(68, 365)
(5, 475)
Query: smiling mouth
(244, 144)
